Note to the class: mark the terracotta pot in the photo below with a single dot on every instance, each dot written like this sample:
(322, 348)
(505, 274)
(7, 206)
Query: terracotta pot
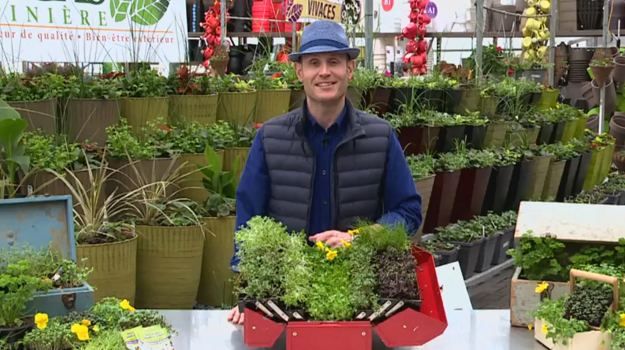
(471, 192)
(593, 122)
(601, 74)
(610, 94)
(442, 200)
(617, 129)
(618, 74)
(219, 65)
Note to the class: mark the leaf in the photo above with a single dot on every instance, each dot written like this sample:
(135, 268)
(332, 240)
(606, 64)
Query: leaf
(119, 9)
(11, 132)
(148, 12)
(7, 112)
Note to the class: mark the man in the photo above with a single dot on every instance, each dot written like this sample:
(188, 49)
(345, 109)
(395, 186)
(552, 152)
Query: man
(321, 167)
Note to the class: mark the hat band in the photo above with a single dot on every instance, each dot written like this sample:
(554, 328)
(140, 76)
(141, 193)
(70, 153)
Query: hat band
(322, 42)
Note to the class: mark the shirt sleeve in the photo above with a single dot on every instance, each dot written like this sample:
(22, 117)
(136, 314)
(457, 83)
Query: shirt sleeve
(253, 191)
(402, 202)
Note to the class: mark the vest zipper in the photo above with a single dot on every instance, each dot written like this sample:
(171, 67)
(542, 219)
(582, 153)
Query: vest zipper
(335, 180)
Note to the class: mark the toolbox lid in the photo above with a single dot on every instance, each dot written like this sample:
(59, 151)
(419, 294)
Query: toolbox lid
(571, 221)
(38, 222)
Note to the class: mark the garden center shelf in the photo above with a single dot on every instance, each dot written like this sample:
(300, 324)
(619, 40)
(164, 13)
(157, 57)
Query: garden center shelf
(410, 326)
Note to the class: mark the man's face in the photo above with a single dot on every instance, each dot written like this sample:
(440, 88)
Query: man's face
(325, 76)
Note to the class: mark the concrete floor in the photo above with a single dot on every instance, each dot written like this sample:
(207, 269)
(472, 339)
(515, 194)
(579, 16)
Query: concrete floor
(494, 293)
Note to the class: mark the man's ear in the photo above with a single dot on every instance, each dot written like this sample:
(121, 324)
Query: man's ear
(351, 66)
(299, 69)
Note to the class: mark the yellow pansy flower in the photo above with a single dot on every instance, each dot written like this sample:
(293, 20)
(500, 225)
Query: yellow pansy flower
(125, 304)
(353, 232)
(86, 323)
(319, 245)
(83, 335)
(346, 244)
(545, 329)
(331, 255)
(76, 327)
(622, 324)
(41, 320)
(541, 287)
(530, 326)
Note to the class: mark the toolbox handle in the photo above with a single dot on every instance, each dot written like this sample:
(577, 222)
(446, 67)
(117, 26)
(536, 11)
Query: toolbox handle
(596, 277)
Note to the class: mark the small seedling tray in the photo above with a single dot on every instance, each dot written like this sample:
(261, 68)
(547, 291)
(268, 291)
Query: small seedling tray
(395, 329)
(40, 222)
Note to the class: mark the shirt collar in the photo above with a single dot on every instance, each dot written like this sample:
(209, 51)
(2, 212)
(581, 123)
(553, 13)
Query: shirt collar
(338, 122)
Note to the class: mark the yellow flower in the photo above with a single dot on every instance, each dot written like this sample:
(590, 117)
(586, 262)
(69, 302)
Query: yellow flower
(41, 320)
(530, 326)
(346, 244)
(622, 324)
(76, 327)
(319, 245)
(125, 304)
(86, 323)
(541, 287)
(545, 329)
(353, 232)
(331, 255)
(96, 328)
(81, 331)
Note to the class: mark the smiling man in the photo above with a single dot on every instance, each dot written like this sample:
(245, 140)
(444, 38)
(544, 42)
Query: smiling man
(323, 166)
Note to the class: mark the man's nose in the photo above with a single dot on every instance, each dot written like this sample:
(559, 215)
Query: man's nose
(324, 69)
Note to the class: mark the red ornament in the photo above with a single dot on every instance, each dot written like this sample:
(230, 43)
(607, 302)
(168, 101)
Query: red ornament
(411, 47)
(422, 18)
(422, 46)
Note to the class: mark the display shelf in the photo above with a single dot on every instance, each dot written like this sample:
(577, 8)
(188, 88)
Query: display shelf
(488, 274)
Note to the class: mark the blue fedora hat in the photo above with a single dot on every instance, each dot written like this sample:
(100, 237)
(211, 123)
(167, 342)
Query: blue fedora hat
(321, 37)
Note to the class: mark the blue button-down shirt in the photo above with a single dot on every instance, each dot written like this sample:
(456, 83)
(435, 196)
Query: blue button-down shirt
(401, 200)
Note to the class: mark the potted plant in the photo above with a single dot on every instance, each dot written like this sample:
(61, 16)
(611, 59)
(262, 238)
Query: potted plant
(473, 183)
(421, 167)
(219, 223)
(601, 69)
(273, 92)
(542, 161)
(448, 169)
(520, 184)
(193, 97)
(237, 100)
(89, 106)
(298, 95)
(503, 227)
(16, 289)
(561, 154)
(475, 130)
(379, 93)
(33, 98)
(443, 252)
(219, 60)
(500, 180)
(417, 134)
(358, 86)
(469, 239)
(238, 148)
(145, 98)
(104, 245)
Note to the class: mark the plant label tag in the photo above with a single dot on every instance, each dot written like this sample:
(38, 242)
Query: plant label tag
(483, 231)
(361, 315)
(297, 315)
(278, 311)
(379, 312)
(263, 308)
(395, 308)
(30, 189)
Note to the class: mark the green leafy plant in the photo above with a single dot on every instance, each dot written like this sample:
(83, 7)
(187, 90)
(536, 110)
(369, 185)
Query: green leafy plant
(421, 166)
(16, 289)
(558, 328)
(11, 141)
(541, 259)
(55, 336)
(222, 185)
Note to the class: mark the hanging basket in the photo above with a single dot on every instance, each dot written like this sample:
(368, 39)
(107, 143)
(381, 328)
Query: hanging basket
(601, 74)
(220, 66)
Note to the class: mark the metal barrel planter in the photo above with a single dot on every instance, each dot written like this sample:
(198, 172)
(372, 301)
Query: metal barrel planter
(237, 107)
(216, 286)
(40, 114)
(581, 172)
(476, 135)
(114, 268)
(544, 135)
(495, 135)
(169, 261)
(552, 182)
(498, 188)
(271, 104)
(448, 136)
(424, 188)
(418, 140)
(193, 108)
(471, 193)
(231, 154)
(568, 177)
(442, 200)
(191, 186)
(539, 177)
(87, 119)
(139, 111)
(132, 175)
(297, 99)
(520, 184)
